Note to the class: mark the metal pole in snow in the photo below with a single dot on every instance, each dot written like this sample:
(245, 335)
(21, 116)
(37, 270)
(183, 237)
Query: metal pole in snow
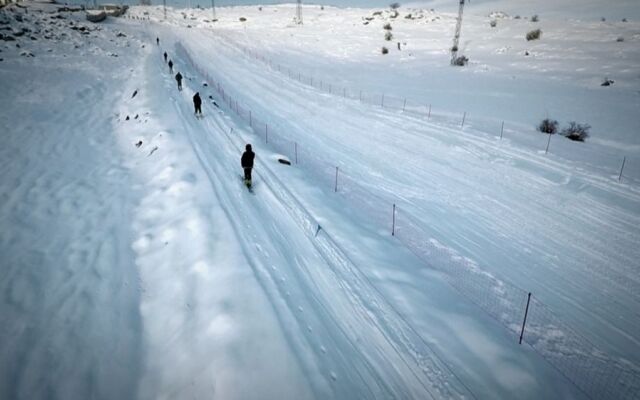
(524, 322)
(622, 168)
(382, 103)
(295, 150)
(429, 115)
(336, 187)
(393, 225)
(463, 118)
(501, 130)
(404, 105)
(548, 142)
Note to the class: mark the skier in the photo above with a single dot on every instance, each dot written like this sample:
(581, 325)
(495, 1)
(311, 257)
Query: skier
(247, 164)
(171, 66)
(158, 41)
(165, 57)
(179, 80)
(197, 103)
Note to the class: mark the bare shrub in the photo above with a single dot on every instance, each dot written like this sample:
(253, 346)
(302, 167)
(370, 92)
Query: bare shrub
(534, 34)
(394, 6)
(385, 50)
(620, 39)
(242, 19)
(549, 126)
(460, 61)
(576, 132)
(493, 23)
(388, 36)
(387, 26)
(535, 18)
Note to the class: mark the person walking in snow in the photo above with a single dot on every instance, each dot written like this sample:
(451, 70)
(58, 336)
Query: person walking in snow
(197, 104)
(179, 80)
(247, 164)
(165, 57)
(171, 66)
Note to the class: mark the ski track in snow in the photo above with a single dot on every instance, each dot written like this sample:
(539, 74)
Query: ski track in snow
(371, 368)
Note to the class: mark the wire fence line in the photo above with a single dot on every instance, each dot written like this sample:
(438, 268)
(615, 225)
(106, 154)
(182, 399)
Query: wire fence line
(612, 165)
(596, 374)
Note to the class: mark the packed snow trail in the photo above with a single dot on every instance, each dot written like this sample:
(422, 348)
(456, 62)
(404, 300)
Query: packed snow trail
(379, 353)
(513, 176)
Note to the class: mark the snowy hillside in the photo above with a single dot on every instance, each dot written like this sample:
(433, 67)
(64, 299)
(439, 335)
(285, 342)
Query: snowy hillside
(392, 259)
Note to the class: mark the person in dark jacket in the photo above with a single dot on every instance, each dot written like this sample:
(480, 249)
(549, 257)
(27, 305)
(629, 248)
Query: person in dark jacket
(179, 80)
(165, 56)
(170, 66)
(197, 103)
(247, 163)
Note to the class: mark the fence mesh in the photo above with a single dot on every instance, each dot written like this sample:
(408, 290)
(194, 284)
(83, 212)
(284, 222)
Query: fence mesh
(592, 371)
(609, 162)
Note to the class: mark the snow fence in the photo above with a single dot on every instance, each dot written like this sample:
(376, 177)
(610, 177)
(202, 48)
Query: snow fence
(595, 373)
(610, 164)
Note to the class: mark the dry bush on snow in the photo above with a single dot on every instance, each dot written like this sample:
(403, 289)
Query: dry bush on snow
(385, 50)
(549, 126)
(576, 132)
(388, 36)
(461, 61)
(534, 34)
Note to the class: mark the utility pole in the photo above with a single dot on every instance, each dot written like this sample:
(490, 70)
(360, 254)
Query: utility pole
(456, 36)
(213, 9)
(299, 12)
(164, 7)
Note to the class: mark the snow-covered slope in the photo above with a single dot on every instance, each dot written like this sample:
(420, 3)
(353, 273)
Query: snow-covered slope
(134, 263)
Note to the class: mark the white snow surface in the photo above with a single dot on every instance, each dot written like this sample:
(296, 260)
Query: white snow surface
(135, 264)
